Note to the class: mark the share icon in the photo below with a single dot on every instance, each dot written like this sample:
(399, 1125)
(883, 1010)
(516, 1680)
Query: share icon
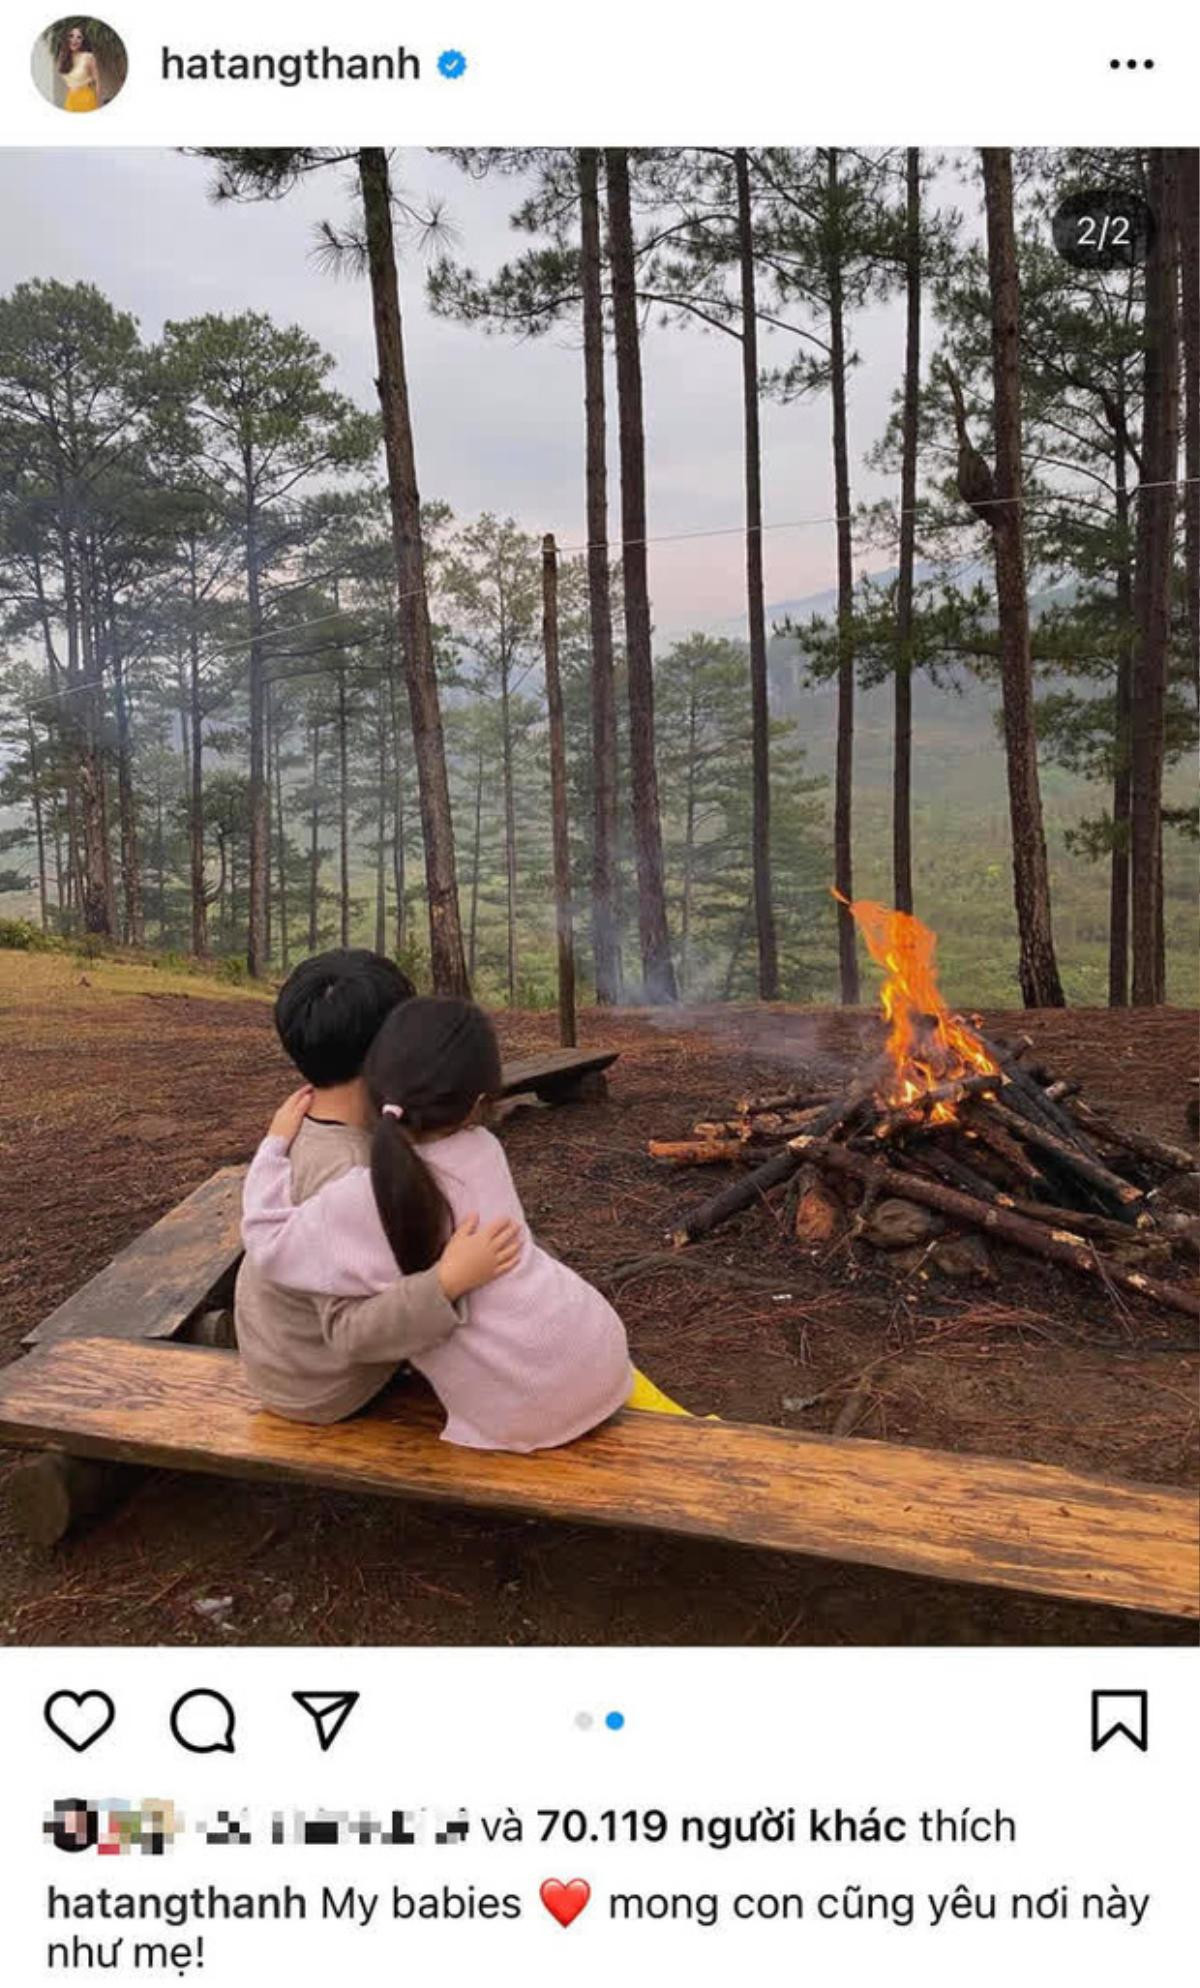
(328, 1710)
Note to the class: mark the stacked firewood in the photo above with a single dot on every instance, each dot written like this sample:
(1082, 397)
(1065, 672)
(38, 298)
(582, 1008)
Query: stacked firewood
(1007, 1152)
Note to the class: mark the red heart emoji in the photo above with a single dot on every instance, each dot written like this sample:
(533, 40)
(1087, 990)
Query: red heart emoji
(565, 1902)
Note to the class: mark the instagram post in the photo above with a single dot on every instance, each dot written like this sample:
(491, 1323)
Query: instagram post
(599, 696)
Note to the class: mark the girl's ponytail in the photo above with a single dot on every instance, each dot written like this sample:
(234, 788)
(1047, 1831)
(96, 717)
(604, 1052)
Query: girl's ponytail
(430, 1064)
(414, 1212)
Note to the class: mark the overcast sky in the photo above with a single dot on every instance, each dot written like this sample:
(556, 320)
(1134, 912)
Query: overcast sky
(499, 424)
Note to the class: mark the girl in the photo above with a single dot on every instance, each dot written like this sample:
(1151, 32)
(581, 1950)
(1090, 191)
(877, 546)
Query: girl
(542, 1357)
(77, 67)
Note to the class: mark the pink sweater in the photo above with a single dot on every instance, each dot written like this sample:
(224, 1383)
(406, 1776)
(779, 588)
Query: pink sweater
(541, 1358)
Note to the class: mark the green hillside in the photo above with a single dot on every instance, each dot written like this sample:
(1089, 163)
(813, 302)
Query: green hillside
(960, 832)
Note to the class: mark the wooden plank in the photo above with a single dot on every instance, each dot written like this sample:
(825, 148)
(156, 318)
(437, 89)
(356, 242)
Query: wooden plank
(151, 1287)
(1001, 1523)
(554, 1071)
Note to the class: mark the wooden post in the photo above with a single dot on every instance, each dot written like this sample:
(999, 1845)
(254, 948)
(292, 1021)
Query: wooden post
(50, 1495)
(558, 798)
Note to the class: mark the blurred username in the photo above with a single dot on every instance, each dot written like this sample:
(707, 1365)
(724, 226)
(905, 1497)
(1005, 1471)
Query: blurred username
(290, 68)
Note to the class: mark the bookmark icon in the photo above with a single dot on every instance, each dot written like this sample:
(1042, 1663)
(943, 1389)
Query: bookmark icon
(328, 1710)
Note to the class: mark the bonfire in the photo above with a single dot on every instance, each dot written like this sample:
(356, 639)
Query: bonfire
(946, 1132)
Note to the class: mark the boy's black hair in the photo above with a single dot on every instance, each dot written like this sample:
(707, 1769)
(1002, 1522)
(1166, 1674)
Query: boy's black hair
(331, 1008)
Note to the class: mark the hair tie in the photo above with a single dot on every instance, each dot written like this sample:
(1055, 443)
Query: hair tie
(392, 1110)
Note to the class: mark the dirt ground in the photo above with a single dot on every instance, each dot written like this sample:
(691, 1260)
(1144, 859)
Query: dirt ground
(115, 1105)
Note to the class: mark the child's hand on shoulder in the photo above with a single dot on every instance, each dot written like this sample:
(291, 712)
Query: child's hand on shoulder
(291, 1115)
(475, 1256)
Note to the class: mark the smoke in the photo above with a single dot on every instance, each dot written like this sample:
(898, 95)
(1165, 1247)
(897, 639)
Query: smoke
(822, 1042)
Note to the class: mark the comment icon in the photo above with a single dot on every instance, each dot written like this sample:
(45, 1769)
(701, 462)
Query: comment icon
(203, 1721)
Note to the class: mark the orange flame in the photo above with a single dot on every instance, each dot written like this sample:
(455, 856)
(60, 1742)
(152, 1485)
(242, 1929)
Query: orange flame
(926, 1045)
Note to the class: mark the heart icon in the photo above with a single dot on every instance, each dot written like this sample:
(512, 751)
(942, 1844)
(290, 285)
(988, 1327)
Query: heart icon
(79, 1718)
(565, 1902)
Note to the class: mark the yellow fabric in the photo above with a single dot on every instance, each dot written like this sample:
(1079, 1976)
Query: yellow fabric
(646, 1396)
(84, 99)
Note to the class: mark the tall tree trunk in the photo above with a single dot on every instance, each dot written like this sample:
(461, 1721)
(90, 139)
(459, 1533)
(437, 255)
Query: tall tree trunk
(35, 790)
(1189, 245)
(268, 737)
(62, 880)
(560, 826)
(689, 844)
(110, 866)
(343, 753)
(1118, 886)
(314, 844)
(281, 846)
(257, 942)
(843, 787)
(510, 836)
(96, 879)
(160, 858)
(199, 892)
(449, 967)
(1153, 568)
(739, 940)
(399, 861)
(476, 850)
(381, 816)
(658, 973)
(1038, 967)
(606, 940)
(760, 712)
(131, 861)
(902, 873)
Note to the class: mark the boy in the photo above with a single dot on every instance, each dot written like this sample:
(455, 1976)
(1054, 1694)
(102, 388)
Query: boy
(307, 1357)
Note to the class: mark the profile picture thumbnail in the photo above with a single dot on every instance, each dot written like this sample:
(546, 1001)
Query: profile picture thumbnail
(80, 63)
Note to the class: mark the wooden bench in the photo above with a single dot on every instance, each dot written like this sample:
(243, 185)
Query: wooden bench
(560, 1075)
(961, 1518)
(165, 1275)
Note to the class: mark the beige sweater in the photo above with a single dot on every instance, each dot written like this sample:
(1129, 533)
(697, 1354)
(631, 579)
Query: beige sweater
(318, 1359)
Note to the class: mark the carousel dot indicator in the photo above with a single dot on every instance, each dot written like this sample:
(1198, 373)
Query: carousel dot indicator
(614, 1721)
(584, 1721)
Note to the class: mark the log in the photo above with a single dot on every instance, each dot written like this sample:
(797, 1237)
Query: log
(1032, 1101)
(775, 1126)
(696, 1152)
(212, 1328)
(1122, 1191)
(55, 1492)
(1059, 1245)
(1082, 1221)
(750, 1107)
(819, 1213)
(1005, 1147)
(1140, 1144)
(780, 1167)
(952, 1092)
(949, 1168)
(832, 1117)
